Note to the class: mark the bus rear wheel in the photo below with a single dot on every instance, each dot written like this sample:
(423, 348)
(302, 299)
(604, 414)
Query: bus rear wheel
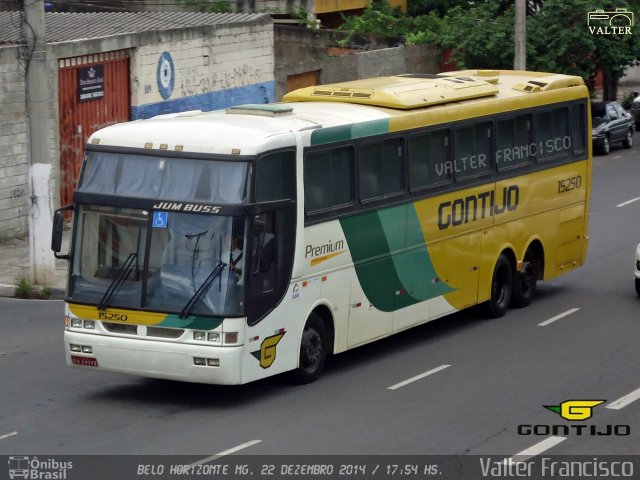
(313, 350)
(524, 286)
(501, 288)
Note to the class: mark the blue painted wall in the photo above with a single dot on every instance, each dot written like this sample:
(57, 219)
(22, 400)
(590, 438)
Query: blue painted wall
(256, 93)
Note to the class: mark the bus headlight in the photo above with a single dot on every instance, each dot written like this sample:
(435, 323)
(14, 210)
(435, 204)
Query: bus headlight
(199, 336)
(76, 323)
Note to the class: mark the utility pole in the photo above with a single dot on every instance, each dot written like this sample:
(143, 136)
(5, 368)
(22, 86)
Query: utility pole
(520, 35)
(38, 90)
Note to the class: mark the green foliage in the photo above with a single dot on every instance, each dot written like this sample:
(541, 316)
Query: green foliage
(558, 39)
(627, 100)
(378, 19)
(481, 34)
(24, 289)
(576, 50)
(481, 37)
(426, 29)
(216, 6)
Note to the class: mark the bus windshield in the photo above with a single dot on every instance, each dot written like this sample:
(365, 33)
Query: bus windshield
(186, 264)
(165, 177)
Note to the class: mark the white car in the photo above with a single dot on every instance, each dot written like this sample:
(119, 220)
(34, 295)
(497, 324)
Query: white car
(638, 269)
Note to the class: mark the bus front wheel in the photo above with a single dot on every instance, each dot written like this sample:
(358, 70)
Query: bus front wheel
(313, 350)
(501, 288)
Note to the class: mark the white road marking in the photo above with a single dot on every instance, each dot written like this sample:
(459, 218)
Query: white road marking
(418, 377)
(624, 401)
(617, 157)
(628, 202)
(226, 452)
(558, 317)
(2, 437)
(536, 449)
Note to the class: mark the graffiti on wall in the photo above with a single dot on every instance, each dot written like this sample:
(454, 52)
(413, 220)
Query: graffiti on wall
(196, 81)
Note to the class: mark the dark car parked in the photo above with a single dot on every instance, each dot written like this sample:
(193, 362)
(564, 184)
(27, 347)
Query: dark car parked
(611, 124)
(635, 110)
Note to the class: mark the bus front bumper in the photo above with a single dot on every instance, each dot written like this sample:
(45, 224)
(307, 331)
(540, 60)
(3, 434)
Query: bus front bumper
(155, 359)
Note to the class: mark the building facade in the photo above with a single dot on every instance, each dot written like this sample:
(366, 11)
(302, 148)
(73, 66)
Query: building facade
(105, 68)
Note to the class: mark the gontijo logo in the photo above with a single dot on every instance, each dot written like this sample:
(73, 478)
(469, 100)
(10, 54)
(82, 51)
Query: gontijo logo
(575, 409)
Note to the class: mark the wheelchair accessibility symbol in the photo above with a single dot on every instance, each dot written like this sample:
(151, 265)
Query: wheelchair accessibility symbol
(160, 219)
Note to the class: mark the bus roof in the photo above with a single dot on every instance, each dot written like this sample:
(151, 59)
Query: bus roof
(252, 129)
(230, 131)
(412, 91)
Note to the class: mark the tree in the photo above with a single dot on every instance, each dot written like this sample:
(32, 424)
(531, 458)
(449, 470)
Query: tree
(562, 41)
(558, 40)
(206, 6)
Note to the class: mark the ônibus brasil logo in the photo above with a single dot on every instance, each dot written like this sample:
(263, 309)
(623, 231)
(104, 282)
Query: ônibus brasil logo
(575, 410)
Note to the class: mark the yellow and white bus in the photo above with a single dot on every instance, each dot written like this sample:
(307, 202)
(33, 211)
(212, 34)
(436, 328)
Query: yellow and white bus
(224, 247)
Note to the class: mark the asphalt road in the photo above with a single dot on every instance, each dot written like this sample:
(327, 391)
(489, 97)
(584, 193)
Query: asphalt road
(488, 381)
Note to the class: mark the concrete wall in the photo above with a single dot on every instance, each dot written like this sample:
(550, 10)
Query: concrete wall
(299, 50)
(14, 160)
(214, 67)
(203, 69)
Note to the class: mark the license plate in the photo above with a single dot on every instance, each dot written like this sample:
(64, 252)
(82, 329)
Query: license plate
(84, 361)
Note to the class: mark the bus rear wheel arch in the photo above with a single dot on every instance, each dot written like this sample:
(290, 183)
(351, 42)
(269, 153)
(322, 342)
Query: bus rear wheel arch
(526, 279)
(501, 287)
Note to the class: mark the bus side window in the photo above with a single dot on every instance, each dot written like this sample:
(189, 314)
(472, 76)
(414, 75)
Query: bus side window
(381, 168)
(553, 136)
(579, 134)
(513, 142)
(328, 179)
(429, 160)
(276, 176)
(473, 147)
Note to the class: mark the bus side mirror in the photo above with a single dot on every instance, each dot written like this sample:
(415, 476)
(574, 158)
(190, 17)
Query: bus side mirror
(56, 234)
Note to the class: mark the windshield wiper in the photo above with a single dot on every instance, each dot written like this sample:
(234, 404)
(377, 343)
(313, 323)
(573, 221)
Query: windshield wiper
(202, 290)
(122, 274)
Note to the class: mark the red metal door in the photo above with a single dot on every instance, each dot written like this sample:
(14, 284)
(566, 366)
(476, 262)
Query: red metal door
(79, 119)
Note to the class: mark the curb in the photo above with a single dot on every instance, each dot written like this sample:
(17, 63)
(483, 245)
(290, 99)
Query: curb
(10, 291)
(7, 290)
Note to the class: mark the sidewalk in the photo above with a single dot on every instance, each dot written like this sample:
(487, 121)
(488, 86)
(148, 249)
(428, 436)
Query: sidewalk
(14, 264)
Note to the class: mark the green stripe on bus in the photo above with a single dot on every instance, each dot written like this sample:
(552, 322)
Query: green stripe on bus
(411, 258)
(348, 132)
(193, 322)
(391, 261)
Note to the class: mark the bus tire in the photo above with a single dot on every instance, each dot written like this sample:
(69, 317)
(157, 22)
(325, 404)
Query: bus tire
(501, 288)
(525, 281)
(313, 350)
(638, 286)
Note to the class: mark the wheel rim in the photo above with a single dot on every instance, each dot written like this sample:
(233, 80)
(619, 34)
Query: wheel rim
(629, 138)
(312, 349)
(499, 287)
(605, 145)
